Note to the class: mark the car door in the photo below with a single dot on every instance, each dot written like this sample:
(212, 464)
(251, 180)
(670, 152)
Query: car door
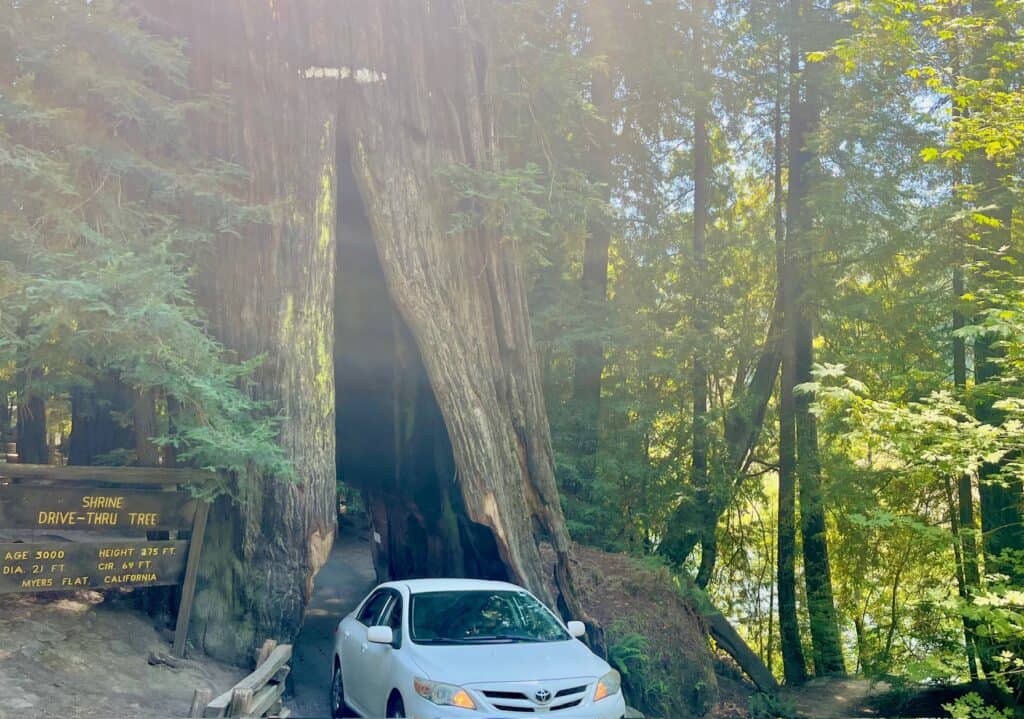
(379, 660)
(354, 647)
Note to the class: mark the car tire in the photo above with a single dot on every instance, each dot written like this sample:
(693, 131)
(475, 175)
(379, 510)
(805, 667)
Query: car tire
(396, 707)
(337, 696)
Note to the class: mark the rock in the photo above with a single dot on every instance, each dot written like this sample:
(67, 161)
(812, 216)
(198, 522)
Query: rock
(158, 658)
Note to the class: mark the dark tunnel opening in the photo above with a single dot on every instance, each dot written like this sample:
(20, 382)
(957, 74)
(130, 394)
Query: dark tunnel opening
(391, 439)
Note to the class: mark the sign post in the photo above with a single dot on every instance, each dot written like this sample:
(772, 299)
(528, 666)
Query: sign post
(91, 518)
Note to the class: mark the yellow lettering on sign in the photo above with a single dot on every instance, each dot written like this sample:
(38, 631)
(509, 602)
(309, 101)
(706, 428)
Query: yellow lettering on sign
(13, 570)
(101, 519)
(14, 556)
(115, 552)
(129, 578)
(41, 582)
(143, 519)
(60, 518)
(93, 502)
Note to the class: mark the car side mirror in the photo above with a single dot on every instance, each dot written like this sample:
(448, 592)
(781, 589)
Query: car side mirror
(577, 629)
(380, 635)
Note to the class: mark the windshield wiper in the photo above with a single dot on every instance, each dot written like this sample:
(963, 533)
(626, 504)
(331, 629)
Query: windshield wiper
(503, 638)
(481, 639)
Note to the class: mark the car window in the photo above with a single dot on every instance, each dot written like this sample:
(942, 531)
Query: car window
(372, 608)
(463, 617)
(393, 615)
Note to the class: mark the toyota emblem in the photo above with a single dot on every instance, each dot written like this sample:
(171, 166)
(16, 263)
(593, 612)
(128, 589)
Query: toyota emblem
(543, 696)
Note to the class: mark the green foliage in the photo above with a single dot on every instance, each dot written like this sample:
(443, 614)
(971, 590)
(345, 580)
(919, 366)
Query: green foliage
(106, 208)
(767, 706)
(628, 652)
(973, 706)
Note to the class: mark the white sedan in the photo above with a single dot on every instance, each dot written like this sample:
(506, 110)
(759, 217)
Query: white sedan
(465, 649)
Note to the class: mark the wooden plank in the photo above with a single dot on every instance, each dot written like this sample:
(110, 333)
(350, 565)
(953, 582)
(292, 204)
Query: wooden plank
(200, 698)
(241, 702)
(114, 475)
(265, 698)
(65, 566)
(188, 587)
(94, 509)
(264, 652)
(218, 706)
(277, 659)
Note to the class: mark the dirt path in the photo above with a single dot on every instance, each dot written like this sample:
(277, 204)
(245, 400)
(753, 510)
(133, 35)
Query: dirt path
(342, 582)
(81, 655)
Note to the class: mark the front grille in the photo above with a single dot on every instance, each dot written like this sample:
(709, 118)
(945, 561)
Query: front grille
(508, 699)
(567, 705)
(504, 695)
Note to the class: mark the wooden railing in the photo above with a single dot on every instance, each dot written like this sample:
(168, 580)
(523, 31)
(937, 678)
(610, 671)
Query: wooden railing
(257, 695)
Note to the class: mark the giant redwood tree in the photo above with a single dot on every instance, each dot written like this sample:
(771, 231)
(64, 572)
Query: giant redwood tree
(398, 94)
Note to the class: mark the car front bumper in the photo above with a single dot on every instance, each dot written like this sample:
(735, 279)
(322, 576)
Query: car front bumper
(613, 707)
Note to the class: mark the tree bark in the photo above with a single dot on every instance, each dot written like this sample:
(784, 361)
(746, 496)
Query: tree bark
(458, 290)
(699, 379)
(793, 663)
(732, 643)
(31, 429)
(99, 423)
(804, 118)
(589, 354)
(269, 293)
(144, 427)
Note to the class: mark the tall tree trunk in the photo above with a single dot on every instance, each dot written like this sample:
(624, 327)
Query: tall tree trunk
(5, 419)
(1002, 520)
(744, 416)
(793, 663)
(31, 429)
(270, 293)
(589, 354)
(98, 422)
(144, 427)
(965, 533)
(804, 118)
(699, 379)
(459, 291)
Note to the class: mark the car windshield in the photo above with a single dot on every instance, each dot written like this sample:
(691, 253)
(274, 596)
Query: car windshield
(470, 617)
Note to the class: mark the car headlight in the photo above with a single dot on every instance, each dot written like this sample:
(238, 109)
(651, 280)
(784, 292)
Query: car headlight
(443, 694)
(608, 685)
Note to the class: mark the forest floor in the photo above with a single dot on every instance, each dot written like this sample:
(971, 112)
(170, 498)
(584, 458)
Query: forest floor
(837, 697)
(340, 584)
(83, 655)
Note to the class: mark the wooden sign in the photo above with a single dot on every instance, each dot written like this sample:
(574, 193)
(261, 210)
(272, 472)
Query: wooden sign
(61, 566)
(97, 501)
(94, 509)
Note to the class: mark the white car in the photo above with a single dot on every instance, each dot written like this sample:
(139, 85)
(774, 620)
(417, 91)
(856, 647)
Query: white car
(466, 649)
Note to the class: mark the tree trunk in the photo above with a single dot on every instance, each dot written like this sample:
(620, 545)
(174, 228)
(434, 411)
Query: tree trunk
(828, 656)
(793, 663)
(962, 508)
(699, 379)
(144, 427)
(732, 643)
(744, 417)
(31, 429)
(99, 425)
(589, 354)
(5, 419)
(269, 293)
(458, 290)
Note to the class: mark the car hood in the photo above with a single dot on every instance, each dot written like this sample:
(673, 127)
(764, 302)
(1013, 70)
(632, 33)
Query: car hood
(517, 662)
